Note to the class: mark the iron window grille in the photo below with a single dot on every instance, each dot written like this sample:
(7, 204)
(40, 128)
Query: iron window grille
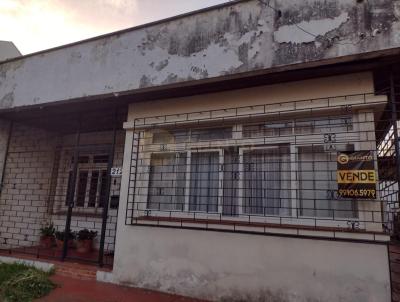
(254, 168)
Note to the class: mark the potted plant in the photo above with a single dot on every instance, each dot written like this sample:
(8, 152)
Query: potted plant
(60, 239)
(84, 243)
(47, 236)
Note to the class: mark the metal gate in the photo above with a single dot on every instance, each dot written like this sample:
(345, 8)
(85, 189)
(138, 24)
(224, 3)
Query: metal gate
(87, 198)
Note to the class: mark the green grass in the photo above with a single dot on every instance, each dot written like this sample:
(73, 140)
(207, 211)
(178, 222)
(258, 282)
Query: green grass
(21, 283)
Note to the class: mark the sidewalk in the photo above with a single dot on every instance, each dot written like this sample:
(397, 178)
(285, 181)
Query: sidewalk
(74, 290)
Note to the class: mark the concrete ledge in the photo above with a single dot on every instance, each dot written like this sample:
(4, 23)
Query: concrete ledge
(44, 266)
(106, 277)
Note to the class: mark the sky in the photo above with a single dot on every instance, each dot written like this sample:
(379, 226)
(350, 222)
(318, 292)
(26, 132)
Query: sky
(34, 25)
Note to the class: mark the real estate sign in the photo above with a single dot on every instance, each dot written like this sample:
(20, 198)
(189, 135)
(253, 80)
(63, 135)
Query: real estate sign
(356, 175)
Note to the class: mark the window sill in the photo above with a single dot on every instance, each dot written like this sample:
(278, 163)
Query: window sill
(266, 228)
(77, 214)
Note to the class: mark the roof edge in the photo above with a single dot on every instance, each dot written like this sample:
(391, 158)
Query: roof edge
(265, 77)
(125, 30)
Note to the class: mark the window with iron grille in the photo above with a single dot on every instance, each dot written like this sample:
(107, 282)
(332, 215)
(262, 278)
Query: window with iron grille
(270, 169)
(91, 181)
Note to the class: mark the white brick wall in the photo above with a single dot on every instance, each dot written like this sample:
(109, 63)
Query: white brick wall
(35, 187)
(23, 200)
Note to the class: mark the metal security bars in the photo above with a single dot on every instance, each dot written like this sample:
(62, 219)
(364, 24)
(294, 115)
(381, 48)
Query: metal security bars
(262, 167)
(60, 178)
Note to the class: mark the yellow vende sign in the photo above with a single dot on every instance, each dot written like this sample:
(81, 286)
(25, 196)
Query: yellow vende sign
(356, 177)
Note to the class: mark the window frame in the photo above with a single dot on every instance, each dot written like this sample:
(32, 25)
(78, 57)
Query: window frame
(254, 143)
(89, 167)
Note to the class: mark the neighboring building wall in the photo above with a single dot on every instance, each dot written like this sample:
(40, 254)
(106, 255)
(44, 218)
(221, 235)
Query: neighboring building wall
(4, 135)
(245, 267)
(23, 200)
(8, 51)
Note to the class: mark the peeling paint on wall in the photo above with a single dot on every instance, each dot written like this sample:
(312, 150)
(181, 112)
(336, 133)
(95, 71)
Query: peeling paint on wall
(239, 37)
(308, 31)
(7, 100)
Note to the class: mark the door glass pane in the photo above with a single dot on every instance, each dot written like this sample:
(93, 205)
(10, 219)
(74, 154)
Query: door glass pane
(204, 178)
(81, 192)
(93, 189)
(103, 188)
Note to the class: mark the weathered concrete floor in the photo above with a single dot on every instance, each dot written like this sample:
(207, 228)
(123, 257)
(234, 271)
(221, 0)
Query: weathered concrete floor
(75, 290)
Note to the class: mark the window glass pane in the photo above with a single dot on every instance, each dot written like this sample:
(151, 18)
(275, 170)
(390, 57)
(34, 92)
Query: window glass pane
(100, 159)
(270, 129)
(324, 125)
(266, 182)
(209, 134)
(304, 127)
(317, 177)
(231, 179)
(167, 182)
(204, 178)
(81, 192)
(170, 136)
(83, 159)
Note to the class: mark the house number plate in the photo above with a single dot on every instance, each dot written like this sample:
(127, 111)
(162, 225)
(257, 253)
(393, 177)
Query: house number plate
(116, 171)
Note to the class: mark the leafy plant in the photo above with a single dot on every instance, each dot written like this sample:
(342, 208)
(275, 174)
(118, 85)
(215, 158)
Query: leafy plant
(21, 283)
(85, 234)
(61, 235)
(48, 230)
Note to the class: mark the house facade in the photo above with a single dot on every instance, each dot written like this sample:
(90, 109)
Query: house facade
(244, 152)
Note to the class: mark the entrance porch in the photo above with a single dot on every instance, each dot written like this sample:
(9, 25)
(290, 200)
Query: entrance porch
(57, 173)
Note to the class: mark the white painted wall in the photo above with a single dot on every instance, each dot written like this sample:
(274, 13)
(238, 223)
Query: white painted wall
(240, 267)
(349, 84)
(248, 267)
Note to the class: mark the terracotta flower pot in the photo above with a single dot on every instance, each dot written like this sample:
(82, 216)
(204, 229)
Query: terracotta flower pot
(60, 244)
(84, 246)
(46, 242)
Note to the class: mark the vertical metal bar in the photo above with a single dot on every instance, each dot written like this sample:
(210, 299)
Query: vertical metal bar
(71, 196)
(107, 197)
(136, 171)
